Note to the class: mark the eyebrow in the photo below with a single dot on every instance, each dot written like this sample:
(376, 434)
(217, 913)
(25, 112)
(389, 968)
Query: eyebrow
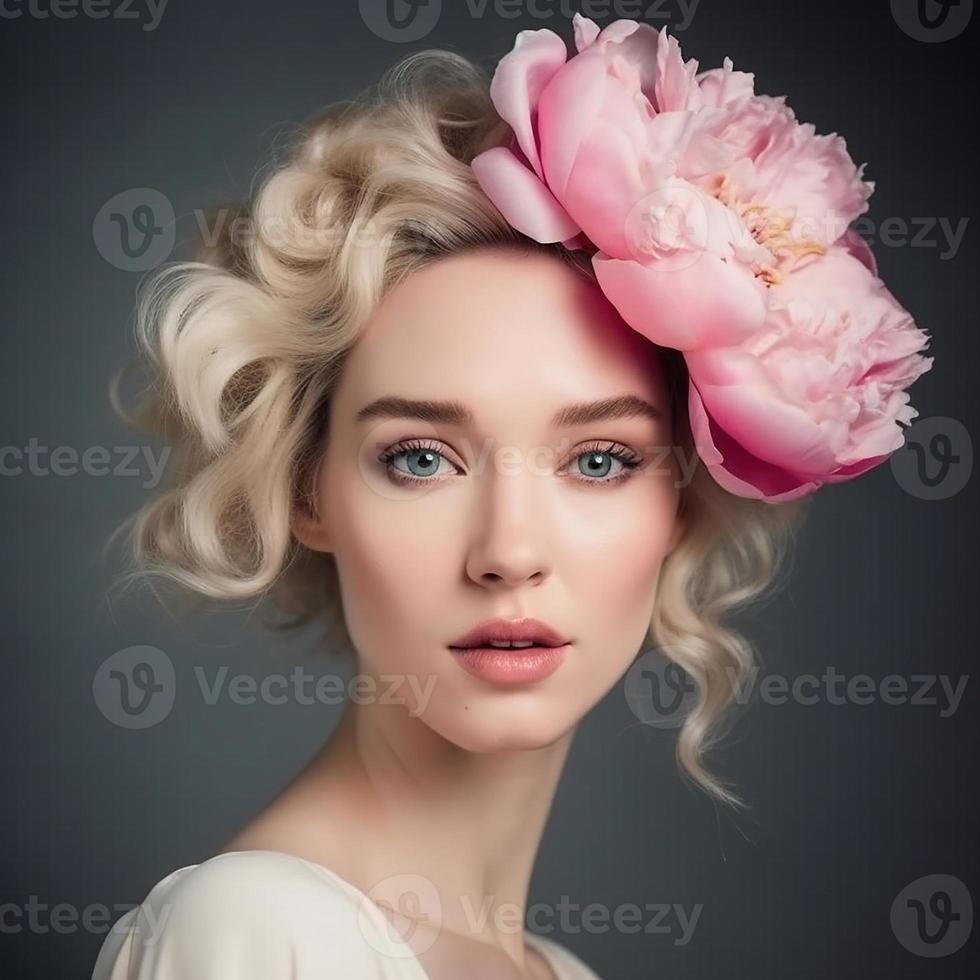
(455, 413)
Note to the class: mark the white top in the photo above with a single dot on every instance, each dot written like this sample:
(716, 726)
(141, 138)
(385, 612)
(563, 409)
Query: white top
(267, 915)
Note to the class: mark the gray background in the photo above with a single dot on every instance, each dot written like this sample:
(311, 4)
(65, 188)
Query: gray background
(851, 802)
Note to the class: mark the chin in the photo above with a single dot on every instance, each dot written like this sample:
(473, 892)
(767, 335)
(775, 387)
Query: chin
(494, 727)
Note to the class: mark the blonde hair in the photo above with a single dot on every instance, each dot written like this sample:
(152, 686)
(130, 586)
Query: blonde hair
(244, 345)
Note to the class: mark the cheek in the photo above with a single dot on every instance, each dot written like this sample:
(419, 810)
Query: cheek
(388, 563)
(615, 559)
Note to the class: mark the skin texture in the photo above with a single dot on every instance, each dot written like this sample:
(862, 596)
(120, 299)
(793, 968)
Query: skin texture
(454, 784)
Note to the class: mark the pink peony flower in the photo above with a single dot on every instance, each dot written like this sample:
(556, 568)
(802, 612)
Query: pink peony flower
(814, 396)
(719, 226)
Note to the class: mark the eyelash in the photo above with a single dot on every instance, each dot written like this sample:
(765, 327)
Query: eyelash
(629, 459)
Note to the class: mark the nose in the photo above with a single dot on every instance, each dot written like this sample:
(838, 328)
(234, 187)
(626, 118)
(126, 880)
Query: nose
(509, 542)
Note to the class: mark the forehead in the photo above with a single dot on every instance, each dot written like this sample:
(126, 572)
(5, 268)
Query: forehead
(500, 322)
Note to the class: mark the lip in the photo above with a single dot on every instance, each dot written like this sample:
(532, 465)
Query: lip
(521, 666)
(513, 630)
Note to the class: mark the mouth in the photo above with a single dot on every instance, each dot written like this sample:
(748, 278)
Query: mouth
(507, 652)
(511, 634)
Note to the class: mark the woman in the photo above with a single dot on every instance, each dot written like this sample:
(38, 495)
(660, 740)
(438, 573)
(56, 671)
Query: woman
(501, 383)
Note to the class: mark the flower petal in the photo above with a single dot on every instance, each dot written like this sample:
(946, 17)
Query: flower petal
(520, 77)
(676, 80)
(721, 86)
(708, 303)
(815, 176)
(523, 200)
(856, 469)
(617, 31)
(742, 401)
(735, 469)
(854, 243)
(577, 100)
(586, 31)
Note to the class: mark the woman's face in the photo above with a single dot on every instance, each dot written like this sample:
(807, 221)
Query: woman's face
(439, 523)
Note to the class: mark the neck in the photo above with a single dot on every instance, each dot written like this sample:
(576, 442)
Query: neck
(409, 802)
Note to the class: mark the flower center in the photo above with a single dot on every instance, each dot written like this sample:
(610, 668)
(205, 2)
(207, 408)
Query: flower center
(772, 228)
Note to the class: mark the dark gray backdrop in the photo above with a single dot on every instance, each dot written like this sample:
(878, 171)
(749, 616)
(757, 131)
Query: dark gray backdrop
(853, 802)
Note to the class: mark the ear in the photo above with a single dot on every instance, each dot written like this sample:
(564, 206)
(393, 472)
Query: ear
(310, 529)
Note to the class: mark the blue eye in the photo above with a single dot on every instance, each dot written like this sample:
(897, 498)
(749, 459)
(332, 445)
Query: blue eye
(595, 464)
(421, 463)
(416, 463)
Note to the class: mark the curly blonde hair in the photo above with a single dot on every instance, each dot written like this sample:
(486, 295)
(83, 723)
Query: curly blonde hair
(245, 344)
